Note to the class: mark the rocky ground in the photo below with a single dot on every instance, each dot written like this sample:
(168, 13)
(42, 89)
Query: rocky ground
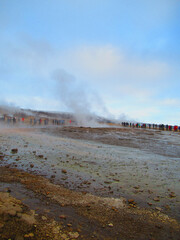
(36, 207)
(77, 215)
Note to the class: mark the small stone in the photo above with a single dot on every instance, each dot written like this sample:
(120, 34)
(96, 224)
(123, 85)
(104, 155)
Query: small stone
(73, 235)
(62, 216)
(131, 201)
(172, 195)
(158, 226)
(44, 218)
(150, 204)
(31, 165)
(107, 182)
(29, 235)
(40, 156)
(64, 171)
(64, 236)
(14, 150)
(12, 212)
(7, 190)
(19, 215)
(110, 225)
(156, 199)
(158, 209)
(28, 219)
(167, 207)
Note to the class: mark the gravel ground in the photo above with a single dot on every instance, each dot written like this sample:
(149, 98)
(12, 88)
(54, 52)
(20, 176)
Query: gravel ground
(103, 183)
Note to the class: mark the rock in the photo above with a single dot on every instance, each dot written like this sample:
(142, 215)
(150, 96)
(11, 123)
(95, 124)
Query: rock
(158, 209)
(31, 165)
(73, 235)
(107, 182)
(116, 180)
(14, 150)
(19, 215)
(29, 235)
(7, 190)
(150, 204)
(56, 229)
(158, 226)
(131, 201)
(62, 216)
(64, 171)
(172, 195)
(156, 199)
(167, 207)
(11, 212)
(64, 236)
(110, 225)
(44, 218)
(29, 219)
(40, 156)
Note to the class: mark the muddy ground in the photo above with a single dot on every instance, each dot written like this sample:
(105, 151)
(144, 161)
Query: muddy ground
(86, 183)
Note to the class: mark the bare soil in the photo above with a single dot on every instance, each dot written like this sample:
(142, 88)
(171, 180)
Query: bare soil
(37, 207)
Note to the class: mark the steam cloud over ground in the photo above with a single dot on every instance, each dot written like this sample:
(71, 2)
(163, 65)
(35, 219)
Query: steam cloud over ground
(79, 99)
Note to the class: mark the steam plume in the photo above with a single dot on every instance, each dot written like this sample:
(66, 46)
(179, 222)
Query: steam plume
(78, 98)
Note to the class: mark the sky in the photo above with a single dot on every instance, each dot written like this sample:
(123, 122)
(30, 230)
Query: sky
(118, 58)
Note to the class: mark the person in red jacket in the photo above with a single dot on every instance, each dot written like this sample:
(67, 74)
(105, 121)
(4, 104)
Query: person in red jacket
(175, 128)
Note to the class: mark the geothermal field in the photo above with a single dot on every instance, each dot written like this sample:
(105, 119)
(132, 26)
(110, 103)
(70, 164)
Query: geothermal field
(60, 182)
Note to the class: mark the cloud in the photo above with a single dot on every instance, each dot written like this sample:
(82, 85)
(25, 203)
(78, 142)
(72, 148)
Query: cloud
(122, 80)
(111, 65)
(174, 102)
(33, 102)
(103, 63)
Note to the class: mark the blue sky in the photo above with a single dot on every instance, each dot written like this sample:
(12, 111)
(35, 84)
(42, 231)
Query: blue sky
(126, 54)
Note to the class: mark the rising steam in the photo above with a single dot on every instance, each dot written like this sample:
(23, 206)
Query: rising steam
(78, 99)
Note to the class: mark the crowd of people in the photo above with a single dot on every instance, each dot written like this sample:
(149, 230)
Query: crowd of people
(152, 126)
(49, 121)
(33, 120)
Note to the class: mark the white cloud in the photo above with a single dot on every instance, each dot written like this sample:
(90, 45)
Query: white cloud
(35, 103)
(174, 102)
(127, 84)
(108, 62)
